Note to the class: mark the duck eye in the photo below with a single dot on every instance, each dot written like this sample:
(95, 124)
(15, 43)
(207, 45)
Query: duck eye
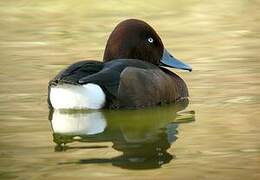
(150, 40)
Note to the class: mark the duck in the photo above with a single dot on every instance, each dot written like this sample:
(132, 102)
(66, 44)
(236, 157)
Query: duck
(134, 73)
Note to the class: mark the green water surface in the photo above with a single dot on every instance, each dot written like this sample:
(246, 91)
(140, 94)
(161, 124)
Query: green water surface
(215, 137)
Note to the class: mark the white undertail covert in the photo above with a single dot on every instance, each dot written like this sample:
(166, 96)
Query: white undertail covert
(87, 96)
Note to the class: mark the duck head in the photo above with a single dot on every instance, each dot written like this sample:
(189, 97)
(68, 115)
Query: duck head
(135, 39)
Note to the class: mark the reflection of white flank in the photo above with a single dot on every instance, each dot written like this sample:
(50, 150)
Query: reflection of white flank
(78, 123)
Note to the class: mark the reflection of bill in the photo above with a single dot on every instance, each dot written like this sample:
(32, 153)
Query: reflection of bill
(143, 136)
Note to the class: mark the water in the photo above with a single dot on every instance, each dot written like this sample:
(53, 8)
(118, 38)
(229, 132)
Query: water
(221, 40)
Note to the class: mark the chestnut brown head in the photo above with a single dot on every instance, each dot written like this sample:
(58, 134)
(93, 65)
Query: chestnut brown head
(135, 39)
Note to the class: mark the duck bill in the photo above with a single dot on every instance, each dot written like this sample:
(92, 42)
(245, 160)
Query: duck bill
(169, 61)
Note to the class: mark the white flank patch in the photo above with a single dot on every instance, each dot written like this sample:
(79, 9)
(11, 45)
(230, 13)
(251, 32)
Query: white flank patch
(87, 96)
(78, 123)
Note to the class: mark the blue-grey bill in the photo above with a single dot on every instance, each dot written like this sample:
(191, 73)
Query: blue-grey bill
(170, 61)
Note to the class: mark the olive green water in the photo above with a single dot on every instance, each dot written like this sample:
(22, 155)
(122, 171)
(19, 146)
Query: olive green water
(220, 40)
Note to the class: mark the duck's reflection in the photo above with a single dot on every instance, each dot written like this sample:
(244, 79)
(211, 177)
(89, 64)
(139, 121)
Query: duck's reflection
(143, 136)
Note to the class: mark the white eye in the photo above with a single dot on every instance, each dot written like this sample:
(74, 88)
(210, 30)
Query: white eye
(150, 40)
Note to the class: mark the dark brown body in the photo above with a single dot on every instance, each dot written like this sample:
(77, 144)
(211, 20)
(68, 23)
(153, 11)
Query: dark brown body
(127, 83)
(141, 88)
